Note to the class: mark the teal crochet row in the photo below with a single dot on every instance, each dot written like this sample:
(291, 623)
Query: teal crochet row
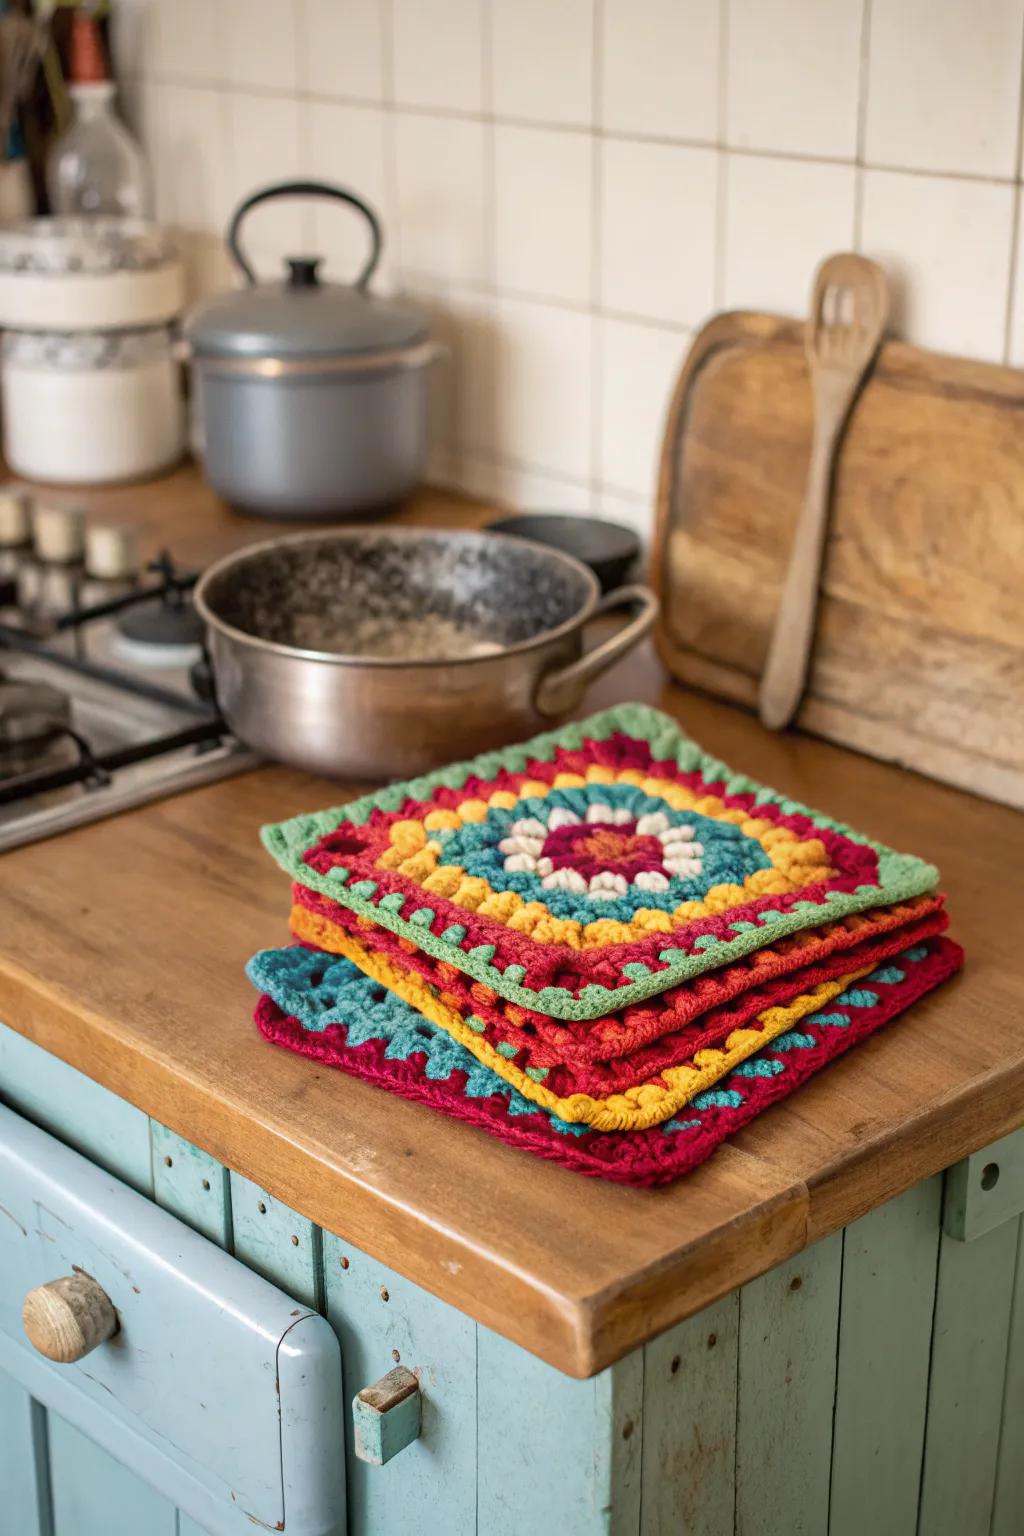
(323, 991)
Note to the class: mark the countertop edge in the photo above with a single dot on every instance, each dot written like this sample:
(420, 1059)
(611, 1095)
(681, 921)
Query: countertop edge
(577, 1335)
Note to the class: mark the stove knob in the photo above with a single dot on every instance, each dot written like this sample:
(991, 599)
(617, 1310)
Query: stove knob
(58, 534)
(15, 517)
(111, 552)
(68, 1318)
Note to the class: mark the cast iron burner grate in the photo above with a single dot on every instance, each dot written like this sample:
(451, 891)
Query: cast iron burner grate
(125, 708)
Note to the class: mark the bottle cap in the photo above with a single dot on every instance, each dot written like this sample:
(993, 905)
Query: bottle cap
(88, 63)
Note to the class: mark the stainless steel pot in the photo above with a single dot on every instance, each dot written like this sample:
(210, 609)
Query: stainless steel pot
(373, 654)
(312, 396)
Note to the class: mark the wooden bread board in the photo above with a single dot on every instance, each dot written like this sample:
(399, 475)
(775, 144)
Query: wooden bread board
(919, 646)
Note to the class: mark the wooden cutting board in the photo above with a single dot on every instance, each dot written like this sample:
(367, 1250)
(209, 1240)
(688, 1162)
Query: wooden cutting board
(919, 648)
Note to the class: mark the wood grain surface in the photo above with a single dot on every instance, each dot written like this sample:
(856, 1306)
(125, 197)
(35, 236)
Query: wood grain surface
(122, 947)
(919, 647)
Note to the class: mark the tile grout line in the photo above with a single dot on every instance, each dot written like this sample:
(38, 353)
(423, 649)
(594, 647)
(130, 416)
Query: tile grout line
(389, 140)
(307, 216)
(863, 87)
(596, 249)
(722, 163)
(743, 151)
(1012, 296)
(489, 226)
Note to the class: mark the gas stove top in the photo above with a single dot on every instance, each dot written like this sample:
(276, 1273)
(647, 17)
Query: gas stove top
(105, 697)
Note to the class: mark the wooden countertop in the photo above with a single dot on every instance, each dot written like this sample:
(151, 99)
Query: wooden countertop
(121, 951)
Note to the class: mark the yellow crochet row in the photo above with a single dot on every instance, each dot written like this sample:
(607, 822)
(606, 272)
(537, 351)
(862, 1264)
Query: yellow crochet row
(795, 863)
(637, 1108)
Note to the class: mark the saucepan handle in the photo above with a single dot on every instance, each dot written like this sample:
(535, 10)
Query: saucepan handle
(561, 690)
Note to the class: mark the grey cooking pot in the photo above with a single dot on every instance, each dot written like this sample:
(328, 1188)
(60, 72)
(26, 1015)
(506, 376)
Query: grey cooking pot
(312, 396)
(379, 653)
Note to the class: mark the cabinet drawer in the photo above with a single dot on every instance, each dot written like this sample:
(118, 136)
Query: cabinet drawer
(219, 1389)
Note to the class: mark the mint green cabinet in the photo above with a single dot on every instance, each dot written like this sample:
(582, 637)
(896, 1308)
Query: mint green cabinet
(873, 1383)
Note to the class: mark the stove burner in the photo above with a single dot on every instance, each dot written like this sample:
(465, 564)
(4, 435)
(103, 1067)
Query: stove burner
(31, 714)
(98, 711)
(162, 633)
(35, 726)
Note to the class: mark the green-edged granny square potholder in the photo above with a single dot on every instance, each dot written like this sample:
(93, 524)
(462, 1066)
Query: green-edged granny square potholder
(591, 867)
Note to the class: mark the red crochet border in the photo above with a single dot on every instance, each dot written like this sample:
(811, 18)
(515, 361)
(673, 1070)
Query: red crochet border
(641, 1158)
(675, 1046)
(696, 1013)
(356, 847)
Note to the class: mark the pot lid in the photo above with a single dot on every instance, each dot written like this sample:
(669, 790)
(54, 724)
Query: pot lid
(302, 317)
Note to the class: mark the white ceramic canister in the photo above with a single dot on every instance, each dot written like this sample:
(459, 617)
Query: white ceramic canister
(91, 408)
(77, 274)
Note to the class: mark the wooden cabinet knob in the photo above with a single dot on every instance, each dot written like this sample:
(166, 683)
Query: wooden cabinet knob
(67, 1318)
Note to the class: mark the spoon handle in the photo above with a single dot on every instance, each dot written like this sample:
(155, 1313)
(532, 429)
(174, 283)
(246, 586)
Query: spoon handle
(789, 654)
(849, 308)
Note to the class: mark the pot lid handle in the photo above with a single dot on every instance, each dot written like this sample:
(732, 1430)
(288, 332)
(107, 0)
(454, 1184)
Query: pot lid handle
(303, 271)
(303, 189)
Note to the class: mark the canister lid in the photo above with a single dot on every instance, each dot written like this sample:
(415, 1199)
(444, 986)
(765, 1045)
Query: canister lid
(302, 317)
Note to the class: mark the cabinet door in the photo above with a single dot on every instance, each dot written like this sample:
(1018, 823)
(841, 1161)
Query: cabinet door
(218, 1390)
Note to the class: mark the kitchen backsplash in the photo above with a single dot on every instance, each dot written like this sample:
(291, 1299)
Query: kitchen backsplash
(574, 186)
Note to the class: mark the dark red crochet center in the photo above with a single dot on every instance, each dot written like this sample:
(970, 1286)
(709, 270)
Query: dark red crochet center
(597, 846)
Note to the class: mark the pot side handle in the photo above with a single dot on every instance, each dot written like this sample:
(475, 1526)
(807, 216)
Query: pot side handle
(560, 691)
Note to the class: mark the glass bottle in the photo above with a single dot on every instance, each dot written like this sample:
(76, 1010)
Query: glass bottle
(96, 167)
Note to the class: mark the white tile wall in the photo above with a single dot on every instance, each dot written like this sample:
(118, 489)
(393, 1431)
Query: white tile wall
(954, 104)
(543, 242)
(659, 68)
(573, 186)
(549, 83)
(437, 53)
(342, 49)
(658, 230)
(946, 243)
(441, 188)
(261, 43)
(780, 216)
(792, 75)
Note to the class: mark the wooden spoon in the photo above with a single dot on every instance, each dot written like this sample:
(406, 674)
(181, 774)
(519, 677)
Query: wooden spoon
(849, 309)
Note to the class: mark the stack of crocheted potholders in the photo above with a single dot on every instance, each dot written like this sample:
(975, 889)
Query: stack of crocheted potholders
(601, 945)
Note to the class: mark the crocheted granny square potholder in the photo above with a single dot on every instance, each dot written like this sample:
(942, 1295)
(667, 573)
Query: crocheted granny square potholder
(593, 866)
(623, 1049)
(387, 1043)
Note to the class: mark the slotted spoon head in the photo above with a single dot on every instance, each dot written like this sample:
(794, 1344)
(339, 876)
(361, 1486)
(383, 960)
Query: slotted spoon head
(849, 311)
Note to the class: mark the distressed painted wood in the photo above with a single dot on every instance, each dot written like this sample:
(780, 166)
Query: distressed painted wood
(1008, 1510)
(24, 1463)
(383, 1320)
(195, 1325)
(985, 1189)
(94, 1121)
(386, 1417)
(557, 1454)
(971, 1330)
(689, 1425)
(278, 1244)
(191, 1184)
(736, 1439)
(94, 1495)
(787, 1369)
(890, 1261)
